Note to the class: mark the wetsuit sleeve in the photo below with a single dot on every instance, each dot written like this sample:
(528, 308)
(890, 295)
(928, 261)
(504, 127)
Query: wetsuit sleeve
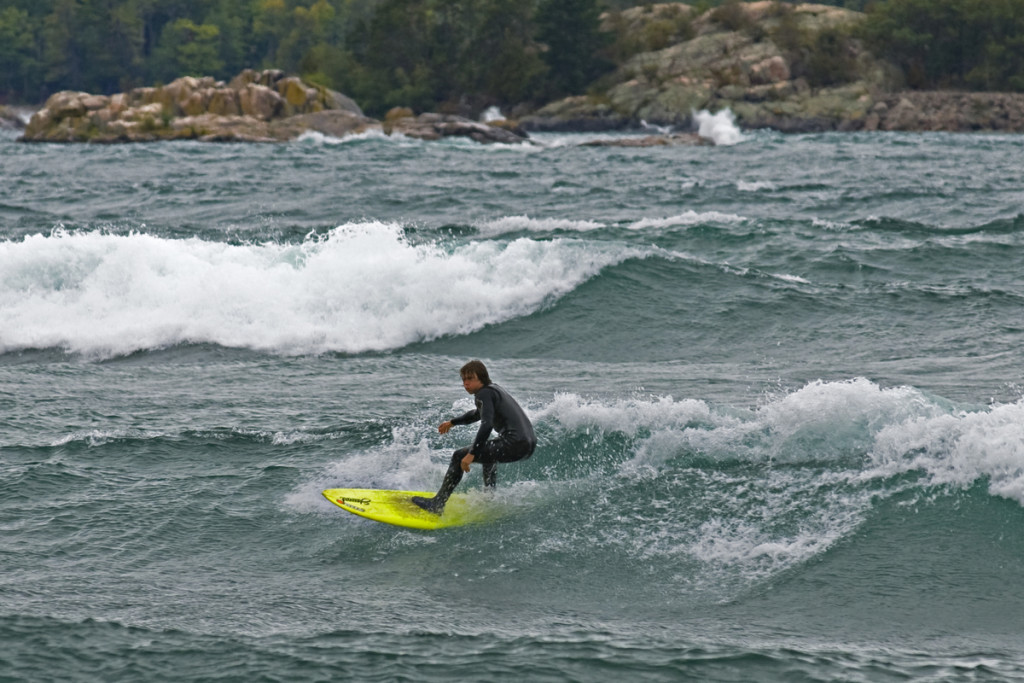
(467, 418)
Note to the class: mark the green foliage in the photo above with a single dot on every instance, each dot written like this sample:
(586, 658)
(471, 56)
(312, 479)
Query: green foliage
(571, 32)
(830, 58)
(513, 65)
(657, 29)
(429, 54)
(20, 54)
(951, 43)
(464, 55)
(234, 19)
(825, 58)
(188, 49)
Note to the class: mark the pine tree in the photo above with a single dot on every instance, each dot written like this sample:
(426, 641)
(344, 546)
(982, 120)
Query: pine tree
(571, 31)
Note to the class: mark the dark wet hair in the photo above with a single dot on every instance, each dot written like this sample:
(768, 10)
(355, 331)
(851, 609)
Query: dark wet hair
(475, 367)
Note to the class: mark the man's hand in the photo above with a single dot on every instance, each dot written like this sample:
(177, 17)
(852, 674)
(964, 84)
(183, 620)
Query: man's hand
(445, 427)
(467, 461)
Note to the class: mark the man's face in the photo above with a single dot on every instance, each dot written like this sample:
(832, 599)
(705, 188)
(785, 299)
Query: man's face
(471, 384)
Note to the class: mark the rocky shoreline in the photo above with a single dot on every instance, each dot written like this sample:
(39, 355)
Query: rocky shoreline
(744, 70)
(905, 111)
(266, 106)
(148, 115)
(716, 67)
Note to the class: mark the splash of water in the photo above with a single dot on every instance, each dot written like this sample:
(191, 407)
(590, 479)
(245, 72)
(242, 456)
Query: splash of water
(720, 128)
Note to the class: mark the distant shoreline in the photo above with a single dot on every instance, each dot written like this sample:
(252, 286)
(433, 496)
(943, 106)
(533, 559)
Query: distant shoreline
(905, 111)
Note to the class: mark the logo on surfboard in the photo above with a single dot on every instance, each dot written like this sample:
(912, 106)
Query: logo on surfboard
(354, 503)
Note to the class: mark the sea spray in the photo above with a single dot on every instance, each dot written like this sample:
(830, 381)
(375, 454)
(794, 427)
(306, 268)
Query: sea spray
(492, 114)
(524, 223)
(685, 219)
(361, 287)
(720, 128)
(958, 449)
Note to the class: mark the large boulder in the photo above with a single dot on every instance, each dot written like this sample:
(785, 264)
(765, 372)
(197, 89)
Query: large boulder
(673, 140)
(432, 126)
(224, 102)
(335, 123)
(259, 101)
(219, 128)
(298, 97)
(332, 99)
(199, 108)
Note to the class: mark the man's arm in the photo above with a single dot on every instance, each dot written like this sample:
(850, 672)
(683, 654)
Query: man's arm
(465, 419)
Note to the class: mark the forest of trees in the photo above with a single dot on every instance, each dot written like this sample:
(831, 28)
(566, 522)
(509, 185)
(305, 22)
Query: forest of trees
(425, 53)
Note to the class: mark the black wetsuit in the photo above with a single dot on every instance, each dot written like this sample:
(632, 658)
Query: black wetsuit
(497, 411)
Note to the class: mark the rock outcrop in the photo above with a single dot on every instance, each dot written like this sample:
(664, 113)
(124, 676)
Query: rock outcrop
(432, 126)
(671, 140)
(250, 107)
(947, 111)
(267, 106)
(739, 61)
(724, 64)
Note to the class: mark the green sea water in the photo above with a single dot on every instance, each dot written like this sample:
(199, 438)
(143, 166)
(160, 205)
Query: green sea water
(777, 386)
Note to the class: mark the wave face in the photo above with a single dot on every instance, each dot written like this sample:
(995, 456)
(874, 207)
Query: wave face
(776, 383)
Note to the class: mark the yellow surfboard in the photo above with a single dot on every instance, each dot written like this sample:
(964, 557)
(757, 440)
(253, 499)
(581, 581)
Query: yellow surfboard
(397, 508)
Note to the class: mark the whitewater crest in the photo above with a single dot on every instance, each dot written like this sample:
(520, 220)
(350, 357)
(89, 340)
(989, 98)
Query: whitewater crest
(360, 287)
(861, 431)
(770, 487)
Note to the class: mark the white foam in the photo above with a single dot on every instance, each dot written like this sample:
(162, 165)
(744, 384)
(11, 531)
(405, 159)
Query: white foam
(623, 415)
(958, 449)
(101, 437)
(762, 538)
(796, 279)
(315, 137)
(839, 424)
(406, 463)
(754, 185)
(722, 542)
(524, 223)
(831, 226)
(859, 429)
(821, 456)
(362, 287)
(824, 420)
(492, 114)
(688, 218)
(720, 128)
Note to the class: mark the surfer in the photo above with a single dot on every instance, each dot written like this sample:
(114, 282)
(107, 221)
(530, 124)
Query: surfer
(495, 410)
